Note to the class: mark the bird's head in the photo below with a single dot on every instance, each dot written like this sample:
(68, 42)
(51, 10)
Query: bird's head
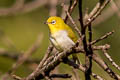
(55, 23)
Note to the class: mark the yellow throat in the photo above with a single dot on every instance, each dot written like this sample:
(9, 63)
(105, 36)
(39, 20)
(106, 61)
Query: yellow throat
(56, 24)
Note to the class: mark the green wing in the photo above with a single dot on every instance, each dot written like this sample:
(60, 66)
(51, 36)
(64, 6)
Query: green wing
(71, 34)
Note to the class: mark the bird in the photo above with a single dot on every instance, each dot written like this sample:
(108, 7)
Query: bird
(61, 35)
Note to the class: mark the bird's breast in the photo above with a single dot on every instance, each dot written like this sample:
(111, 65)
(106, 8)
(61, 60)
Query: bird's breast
(61, 40)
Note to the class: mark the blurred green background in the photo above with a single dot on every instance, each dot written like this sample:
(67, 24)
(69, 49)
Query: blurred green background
(22, 31)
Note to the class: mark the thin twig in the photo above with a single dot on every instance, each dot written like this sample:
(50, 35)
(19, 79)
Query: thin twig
(103, 37)
(95, 10)
(63, 13)
(101, 63)
(71, 8)
(100, 47)
(74, 24)
(104, 4)
(49, 50)
(110, 59)
(52, 61)
(109, 12)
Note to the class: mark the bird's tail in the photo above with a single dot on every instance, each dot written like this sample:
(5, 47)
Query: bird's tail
(75, 58)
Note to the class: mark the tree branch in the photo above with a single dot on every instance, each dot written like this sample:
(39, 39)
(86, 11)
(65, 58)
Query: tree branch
(110, 59)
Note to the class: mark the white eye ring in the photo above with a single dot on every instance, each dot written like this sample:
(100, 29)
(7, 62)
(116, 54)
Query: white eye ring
(53, 22)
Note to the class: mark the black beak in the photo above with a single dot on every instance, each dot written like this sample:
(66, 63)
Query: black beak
(46, 22)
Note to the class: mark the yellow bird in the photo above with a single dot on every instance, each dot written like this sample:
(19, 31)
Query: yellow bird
(61, 35)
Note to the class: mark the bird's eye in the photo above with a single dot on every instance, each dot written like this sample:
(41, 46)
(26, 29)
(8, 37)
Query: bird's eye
(53, 22)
